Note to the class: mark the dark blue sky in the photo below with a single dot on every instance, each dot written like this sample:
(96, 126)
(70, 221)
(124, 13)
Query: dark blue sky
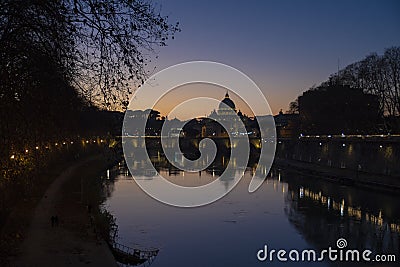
(284, 46)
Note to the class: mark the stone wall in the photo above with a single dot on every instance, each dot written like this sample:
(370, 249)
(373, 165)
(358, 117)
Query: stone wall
(375, 155)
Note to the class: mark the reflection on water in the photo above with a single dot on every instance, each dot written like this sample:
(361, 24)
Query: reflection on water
(322, 212)
(289, 211)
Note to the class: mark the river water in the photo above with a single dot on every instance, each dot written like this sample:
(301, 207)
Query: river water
(289, 211)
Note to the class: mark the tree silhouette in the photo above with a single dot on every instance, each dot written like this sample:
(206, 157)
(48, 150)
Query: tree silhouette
(103, 44)
(60, 62)
(57, 57)
(377, 74)
(294, 107)
(115, 35)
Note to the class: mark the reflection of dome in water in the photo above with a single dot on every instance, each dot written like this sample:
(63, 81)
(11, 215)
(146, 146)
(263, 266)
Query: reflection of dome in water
(228, 102)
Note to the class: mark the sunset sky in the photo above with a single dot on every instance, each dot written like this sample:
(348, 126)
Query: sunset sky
(284, 46)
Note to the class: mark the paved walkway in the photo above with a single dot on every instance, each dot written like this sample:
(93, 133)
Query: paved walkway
(57, 246)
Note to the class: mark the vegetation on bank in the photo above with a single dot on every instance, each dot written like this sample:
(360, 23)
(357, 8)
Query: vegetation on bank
(64, 66)
(368, 88)
(85, 180)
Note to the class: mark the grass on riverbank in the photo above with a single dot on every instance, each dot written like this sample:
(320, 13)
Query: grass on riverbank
(72, 202)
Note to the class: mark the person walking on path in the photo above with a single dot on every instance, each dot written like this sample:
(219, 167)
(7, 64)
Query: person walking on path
(56, 220)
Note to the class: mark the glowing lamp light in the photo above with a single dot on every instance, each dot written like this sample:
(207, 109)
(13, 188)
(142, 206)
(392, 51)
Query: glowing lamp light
(26, 150)
(64, 143)
(56, 144)
(72, 143)
(87, 141)
(37, 148)
(12, 157)
(343, 145)
(380, 146)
